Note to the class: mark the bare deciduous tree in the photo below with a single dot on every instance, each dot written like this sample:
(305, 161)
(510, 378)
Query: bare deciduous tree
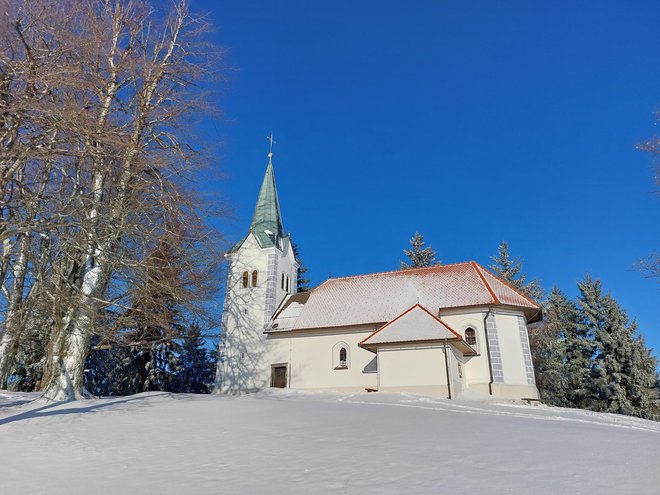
(95, 168)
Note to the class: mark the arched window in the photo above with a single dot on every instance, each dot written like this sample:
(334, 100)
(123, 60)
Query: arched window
(471, 336)
(245, 280)
(341, 358)
(254, 278)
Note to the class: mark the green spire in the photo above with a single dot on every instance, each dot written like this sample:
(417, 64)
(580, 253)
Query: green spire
(267, 219)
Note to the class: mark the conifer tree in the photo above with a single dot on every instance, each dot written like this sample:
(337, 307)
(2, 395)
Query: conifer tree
(623, 374)
(510, 270)
(549, 344)
(197, 366)
(578, 351)
(111, 370)
(419, 255)
(302, 283)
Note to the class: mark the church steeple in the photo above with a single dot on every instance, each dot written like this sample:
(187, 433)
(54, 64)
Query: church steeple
(261, 271)
(267, 219)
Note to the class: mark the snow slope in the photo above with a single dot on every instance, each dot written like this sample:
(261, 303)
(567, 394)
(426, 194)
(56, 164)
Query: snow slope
(282, 441)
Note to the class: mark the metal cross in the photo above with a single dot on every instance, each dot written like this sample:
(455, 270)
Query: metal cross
(271, 141)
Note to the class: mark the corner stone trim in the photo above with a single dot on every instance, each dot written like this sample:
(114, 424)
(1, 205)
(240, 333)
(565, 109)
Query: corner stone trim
(494, 349)
(271, 288)
(524, 341)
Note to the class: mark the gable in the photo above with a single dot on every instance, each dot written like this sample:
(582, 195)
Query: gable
(416, 324)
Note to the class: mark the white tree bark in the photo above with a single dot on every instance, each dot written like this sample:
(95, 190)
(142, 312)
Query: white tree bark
(12, 317)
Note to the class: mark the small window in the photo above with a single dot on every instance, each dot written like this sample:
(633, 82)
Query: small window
(282, 281)
(341, 356)
(287, 283)
(254, 278)
(471, 336)
(245, 280)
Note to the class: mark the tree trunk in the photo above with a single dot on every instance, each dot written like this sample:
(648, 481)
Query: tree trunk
(12, 318)
(64, 373)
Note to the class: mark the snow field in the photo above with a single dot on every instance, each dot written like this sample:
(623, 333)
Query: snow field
(284, 441)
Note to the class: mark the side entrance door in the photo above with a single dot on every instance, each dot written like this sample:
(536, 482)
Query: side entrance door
(278, 376)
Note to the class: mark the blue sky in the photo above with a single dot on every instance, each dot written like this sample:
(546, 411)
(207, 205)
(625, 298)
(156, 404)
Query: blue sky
(472, 122)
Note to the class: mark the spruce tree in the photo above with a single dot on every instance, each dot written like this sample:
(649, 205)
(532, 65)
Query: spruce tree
(510, 270)
(419, 255)
(302, 283)
(197, 370)
(578, 350)
(549, 342)
(623, 374)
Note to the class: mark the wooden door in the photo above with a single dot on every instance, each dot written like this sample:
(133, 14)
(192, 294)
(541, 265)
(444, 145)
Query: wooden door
(278, 376)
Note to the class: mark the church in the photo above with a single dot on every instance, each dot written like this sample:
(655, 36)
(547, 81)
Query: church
(437, 331)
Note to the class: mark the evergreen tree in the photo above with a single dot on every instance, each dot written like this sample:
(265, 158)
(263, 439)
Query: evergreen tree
(197, 371)
(623, 373)
(111, 370)
(510, 270)
(549, 342)
(302, 283)
(578, 351)
(419, 255)
(163, 367)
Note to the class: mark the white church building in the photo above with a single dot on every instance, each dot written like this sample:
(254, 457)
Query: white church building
(436, 331)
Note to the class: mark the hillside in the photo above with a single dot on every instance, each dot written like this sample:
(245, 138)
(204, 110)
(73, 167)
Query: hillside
(295, 442)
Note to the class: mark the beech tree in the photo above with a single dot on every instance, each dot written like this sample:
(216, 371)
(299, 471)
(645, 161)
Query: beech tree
(650, 264)
(97, 160)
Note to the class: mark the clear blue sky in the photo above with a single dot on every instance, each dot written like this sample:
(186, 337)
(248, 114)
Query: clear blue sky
(472, 122)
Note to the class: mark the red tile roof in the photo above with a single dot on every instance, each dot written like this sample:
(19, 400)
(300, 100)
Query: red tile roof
(380, 297)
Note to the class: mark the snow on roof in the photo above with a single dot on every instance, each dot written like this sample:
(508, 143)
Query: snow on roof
(288, 312)
(380, 297)
(416, 324)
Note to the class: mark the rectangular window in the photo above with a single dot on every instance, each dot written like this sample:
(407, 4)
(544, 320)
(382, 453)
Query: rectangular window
(278, 376)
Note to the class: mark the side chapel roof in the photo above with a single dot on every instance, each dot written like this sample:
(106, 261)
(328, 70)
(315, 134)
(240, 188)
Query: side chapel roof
(417, 324)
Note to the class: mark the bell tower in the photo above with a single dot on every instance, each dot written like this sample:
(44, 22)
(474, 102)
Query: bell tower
(261, 271)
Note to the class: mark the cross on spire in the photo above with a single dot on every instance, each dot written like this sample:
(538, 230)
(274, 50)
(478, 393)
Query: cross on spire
(271, 141)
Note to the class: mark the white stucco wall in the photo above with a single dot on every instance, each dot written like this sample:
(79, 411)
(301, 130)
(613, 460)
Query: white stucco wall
(411, 365)
(515, 382)
(415, 368)
(513, 363)
(244, 366)
(476, 367)
(313, 357)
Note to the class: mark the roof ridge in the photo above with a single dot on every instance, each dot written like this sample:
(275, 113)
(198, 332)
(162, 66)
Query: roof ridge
(475, 266)
(417, 305)
(507, 284)
(407, 270)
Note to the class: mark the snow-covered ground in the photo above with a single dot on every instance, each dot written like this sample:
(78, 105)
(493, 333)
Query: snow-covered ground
(289, 442)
